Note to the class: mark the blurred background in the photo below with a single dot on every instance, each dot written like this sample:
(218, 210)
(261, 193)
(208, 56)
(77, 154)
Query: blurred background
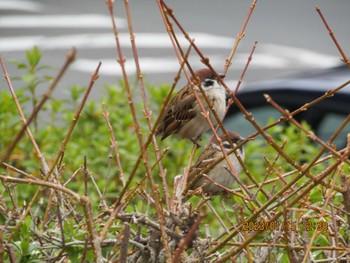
(291, 36)
(291, 39)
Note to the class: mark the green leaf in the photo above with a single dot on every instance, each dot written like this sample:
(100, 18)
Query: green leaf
(33, 57)
(56, 105)
(22, 66)
(48, 78)
(76, 92)
(315, 195)
(28, 77)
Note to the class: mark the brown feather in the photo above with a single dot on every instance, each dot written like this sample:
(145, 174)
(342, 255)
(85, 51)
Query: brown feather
(182, 109)
(205, 159)
(208, 156)
(178, 113)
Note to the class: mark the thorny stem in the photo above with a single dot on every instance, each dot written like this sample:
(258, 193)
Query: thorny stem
(179, 53)
(183, 243)
(310, 134)
(23, 119)
(41, 183)
(144, 220)
(291, 183)
(326, 158)
(61, 150)
(261, 131)
(252, 197)
(308, 248)
(270, 168)
(114, 144)
(229, 104)
(60, 154)
(95, 240)
(282, 191)
(145, 157)
(239, 37)
(138, 161)
(124, 244)
(226, 230)
(30, 176)
(243, 73)
(69, 59)
(277, 215)
(327, 94)
(177, 196)
(206, 62)
(330, 31)
(147, 111)
(297, 248)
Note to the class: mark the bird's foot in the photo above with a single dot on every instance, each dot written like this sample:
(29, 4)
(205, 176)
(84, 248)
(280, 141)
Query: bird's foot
(196, 141)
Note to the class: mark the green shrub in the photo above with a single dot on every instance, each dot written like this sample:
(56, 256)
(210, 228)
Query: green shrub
(91, 139)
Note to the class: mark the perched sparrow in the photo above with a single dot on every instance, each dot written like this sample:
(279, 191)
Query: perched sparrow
(183, 115)
(217, 173)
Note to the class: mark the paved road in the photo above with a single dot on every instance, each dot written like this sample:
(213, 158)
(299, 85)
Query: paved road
(291, 36)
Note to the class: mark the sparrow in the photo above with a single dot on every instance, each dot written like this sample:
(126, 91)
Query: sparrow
(183, 115)
(218, 172)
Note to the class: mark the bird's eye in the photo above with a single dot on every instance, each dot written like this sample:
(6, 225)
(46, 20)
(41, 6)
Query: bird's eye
(208, 82)
(226, 145)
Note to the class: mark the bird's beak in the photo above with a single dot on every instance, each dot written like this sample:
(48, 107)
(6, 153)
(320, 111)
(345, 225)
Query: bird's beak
(222, 76)
(241, 139)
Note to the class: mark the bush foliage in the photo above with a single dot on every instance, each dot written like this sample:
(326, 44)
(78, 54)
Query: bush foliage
(57, 227)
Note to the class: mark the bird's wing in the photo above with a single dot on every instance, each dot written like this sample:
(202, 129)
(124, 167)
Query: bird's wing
(205, 159)
(181, 110)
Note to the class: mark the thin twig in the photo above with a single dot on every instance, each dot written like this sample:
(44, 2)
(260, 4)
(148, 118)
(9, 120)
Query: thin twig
(310, 134)
(41, 183)
(147, 111)
(124, 244)
(8, 166)
(114, 144)
(145, 155)
(61, 150)
(69, 59)
(95, 240)
(186, 240)
(321, 176)
(149, 139)
(316, 232)
(330, 31)
(239, 37)
(23, 119)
